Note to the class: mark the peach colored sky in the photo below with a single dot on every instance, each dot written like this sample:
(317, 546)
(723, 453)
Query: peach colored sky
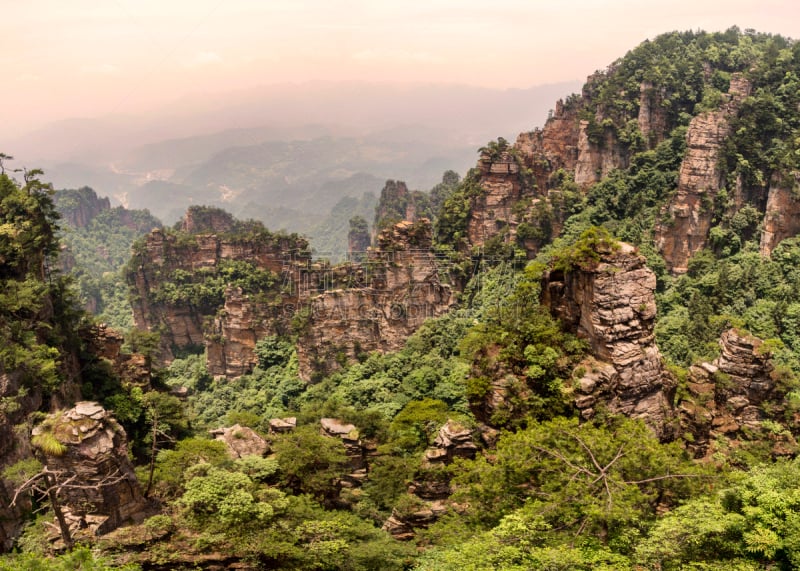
(83, 58)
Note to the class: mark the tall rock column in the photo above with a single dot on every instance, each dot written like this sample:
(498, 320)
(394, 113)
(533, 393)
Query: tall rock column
(612, 306)
(690, 210)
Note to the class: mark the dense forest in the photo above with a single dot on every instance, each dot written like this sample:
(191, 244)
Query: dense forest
(587, 401)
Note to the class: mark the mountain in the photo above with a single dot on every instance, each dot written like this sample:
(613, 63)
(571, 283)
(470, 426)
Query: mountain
(583, 354)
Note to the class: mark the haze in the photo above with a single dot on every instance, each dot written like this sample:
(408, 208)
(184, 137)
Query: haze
(87, 58)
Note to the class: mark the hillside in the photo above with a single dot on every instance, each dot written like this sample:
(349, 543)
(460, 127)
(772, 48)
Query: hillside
(582, 354)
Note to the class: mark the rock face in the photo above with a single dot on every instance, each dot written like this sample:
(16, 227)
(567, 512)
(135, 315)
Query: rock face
(395, 204)
(728, 397)
(356, 450)
(453, 441)
(397, 288)
(612, 306)
(207, 220)
(166, 258)
(596, 158)
(232, 339)
(690, 210)
(652, 117)
(782, 218)
(82, 208)
(241, 441)
(105, 343)
(526, 170)
(101, 490)
(491, 212)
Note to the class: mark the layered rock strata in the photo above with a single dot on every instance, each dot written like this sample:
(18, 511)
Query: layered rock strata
(612, 306)
(165, 256)
(401, 289)
(782, 217)
(729, 397)
(690, 210)
(354, 448)
(98, 484)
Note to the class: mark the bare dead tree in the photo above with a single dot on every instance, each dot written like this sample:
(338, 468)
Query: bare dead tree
(52, 483)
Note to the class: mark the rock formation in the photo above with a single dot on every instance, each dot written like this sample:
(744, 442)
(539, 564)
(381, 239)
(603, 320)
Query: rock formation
(782, 218)
(105, 343)
(165, 258)
(354, 448)
(241, 441)
(98, 486)
(612, 306)
(452, 441)
(207, 220)
(401, 289)
(690, 210)
(652, 116)
(79, 207)
(491, 212)
(729, 398)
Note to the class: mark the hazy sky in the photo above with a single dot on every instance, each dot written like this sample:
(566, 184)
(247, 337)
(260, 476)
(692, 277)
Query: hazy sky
(78, 58)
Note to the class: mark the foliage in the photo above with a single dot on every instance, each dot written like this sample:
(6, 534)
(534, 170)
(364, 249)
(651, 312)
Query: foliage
(311, 463)
(30, 334)
(520, 338)
(585, 480)
(79, 558)
(753, 524)
(97, 251)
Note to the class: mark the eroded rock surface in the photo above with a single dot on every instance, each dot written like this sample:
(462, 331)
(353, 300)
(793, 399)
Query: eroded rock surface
(401, 289)
(241, 441)
(782, 218)
(729, 397)
(104, 492)
(612, 306)
(700, 179)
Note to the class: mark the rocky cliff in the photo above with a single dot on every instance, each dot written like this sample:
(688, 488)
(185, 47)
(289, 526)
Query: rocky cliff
(178, 279)
(782, 217)
(396, 289)
(611, 304)
(79, 207)
(690, 211)
(730, 399)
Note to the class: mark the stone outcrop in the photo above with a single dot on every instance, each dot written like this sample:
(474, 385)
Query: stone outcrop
(452, 441)
(79, 207)
(106, 343)
(782, 218)
(282, 425)
(231, 340)
(690, 209)
(354, 448)
(399, 288)
(241, 441)
(491, 212)
(396, 204)
(597, 158)
(207, 220)
(401, 524)
(99, 488)
(729, 397)
(612, 306)
(652, 116)
(192, 257)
